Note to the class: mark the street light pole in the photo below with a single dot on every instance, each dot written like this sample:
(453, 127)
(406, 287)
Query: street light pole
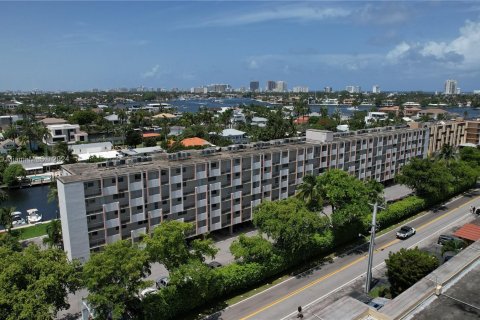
(371, 248)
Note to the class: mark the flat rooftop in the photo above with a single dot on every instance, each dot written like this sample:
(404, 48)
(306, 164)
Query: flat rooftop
(88, 171)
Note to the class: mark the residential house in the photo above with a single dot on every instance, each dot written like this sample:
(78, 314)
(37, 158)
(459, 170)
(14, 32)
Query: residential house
(432, 113)
(176, 130)
(53, 121)
(394, 110)
(259, 122)
(69, 133)
(195, 142)
(112, 118)
(376, 116)
(236, 136)
(7, 145)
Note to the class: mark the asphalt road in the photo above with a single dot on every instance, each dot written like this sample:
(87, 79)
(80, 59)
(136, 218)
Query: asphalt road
(281, 301)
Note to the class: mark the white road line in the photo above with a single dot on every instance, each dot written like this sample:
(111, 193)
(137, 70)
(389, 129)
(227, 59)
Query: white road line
(378, 265)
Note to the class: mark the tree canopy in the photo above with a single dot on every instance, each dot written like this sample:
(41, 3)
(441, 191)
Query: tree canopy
(406, 267)
(35, 283)
(12, 173)
(114, 277)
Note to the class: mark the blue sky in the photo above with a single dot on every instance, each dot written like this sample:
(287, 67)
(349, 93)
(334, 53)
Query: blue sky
(408, 45)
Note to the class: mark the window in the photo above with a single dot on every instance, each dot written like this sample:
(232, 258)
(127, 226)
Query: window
(138, 176)
(139, 207)
(120, 179)
(113, 180)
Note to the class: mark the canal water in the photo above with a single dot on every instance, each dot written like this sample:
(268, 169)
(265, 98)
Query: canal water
(32, 197)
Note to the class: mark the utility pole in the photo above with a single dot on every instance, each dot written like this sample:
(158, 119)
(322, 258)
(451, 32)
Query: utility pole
(371, 249)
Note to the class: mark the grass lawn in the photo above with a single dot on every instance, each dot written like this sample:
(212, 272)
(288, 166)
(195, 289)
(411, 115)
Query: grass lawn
(33, 231)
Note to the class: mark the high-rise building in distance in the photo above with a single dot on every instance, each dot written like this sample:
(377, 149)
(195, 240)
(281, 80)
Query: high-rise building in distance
(254, 86)
(271, 85)
(451, 87)
(281, 86)
(300, 89)
(353, 89)
(376, 88)
(328, 89)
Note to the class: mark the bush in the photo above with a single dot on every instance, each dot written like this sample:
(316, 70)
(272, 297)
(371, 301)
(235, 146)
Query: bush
(399, 211)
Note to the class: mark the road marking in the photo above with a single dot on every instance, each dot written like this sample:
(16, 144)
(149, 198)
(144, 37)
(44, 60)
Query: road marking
(374, 268)
(285, 297)
(295, 292)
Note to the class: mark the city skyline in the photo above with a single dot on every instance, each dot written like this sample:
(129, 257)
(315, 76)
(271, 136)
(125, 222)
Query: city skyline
(401, 46)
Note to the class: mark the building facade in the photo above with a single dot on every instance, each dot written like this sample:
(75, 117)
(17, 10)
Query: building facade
(451, 87)
(254, 86)
(69, 133)
(123, 199)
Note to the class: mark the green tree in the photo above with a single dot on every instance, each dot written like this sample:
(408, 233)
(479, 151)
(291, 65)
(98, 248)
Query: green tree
(289, 223)
(406, 267)
(447, 153)
(35, 283)
(54, 234)
(168, 245)
(428, 178)
(133, 137)
(83, 117)
(6, 217)
(252, 249)
(10, 241)
(149, 142)
(114, 277)
(308, 191)
(62, 151)
(12, 174)
(454, 246)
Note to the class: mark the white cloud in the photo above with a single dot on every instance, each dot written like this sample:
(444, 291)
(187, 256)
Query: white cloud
(460, 53)
(252, 64)
(152, 72)
(290, 12)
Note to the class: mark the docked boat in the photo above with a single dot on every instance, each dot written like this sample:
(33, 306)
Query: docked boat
(353, 108)
(34, 216)
(17, 219)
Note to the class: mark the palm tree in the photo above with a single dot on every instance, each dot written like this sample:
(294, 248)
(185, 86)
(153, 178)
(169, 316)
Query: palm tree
(54, 234)
(63, 151)
(453, 246)
(447, 153)
(6, 217)
(308, 192)
(53, 194)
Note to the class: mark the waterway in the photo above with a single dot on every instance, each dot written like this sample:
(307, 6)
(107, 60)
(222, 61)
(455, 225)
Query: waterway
(195, 104)
(32, 197)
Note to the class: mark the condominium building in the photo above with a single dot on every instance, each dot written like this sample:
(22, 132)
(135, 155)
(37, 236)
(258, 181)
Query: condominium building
(376, 88)
(451, 87)
(441, 133)
(254, 86)
(271, 85)
(353, 89)
(281, 86)
(215, 189)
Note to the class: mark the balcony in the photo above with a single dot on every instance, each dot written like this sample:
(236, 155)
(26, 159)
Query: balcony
(154, 198)
(136, 202)
(202, 216)
(215, 213)
(113, 206)
(176, 194)
(138, 232)
(201, 203)
(155, 213)
(237, 182)
(237, 168)
(108, 191)
(177, 208)
(267, 163)
(138, 217)
(256, 178)
(112, 223)
(136, 186)
(154, 183)
(215, 172)
(215, 186)
(257, 165)
(201, 174)
(176, 179)
(214, 200)
(114, 238)
(256, 190)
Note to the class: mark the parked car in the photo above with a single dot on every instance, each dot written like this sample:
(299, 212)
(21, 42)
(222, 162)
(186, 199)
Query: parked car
(405, 232)
(162, 282)
(443, 238)
(214, 264)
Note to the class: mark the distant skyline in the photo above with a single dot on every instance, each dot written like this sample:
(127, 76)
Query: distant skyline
(404, 46)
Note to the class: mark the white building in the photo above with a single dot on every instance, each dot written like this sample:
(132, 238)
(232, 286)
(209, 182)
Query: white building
(280, 86)
(259, 121)
(6, 146)
(376, 88)
(69, 133)
(236, 136)
(353, 89)
(451, 87)
(300, 89)
(98, 149)
(10, 104)
(376, 116)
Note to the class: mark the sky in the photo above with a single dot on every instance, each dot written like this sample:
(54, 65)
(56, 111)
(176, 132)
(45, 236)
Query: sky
(400, 46)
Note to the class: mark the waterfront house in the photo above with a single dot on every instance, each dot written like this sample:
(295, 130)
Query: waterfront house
(7, 145)
(69, 133)
(259, 122)
(236, 136)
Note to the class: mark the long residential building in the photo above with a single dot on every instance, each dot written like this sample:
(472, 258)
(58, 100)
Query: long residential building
(126, 198)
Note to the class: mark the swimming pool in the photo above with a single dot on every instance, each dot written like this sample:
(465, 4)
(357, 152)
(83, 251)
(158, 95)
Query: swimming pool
(39, 178)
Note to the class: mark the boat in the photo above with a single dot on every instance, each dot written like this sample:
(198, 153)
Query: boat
(353, 108)
(17, 219)
(34, 216)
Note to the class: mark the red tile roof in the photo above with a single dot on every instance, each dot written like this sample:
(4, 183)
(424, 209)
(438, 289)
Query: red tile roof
(151, 135)
(194, 142)
(469, 232)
